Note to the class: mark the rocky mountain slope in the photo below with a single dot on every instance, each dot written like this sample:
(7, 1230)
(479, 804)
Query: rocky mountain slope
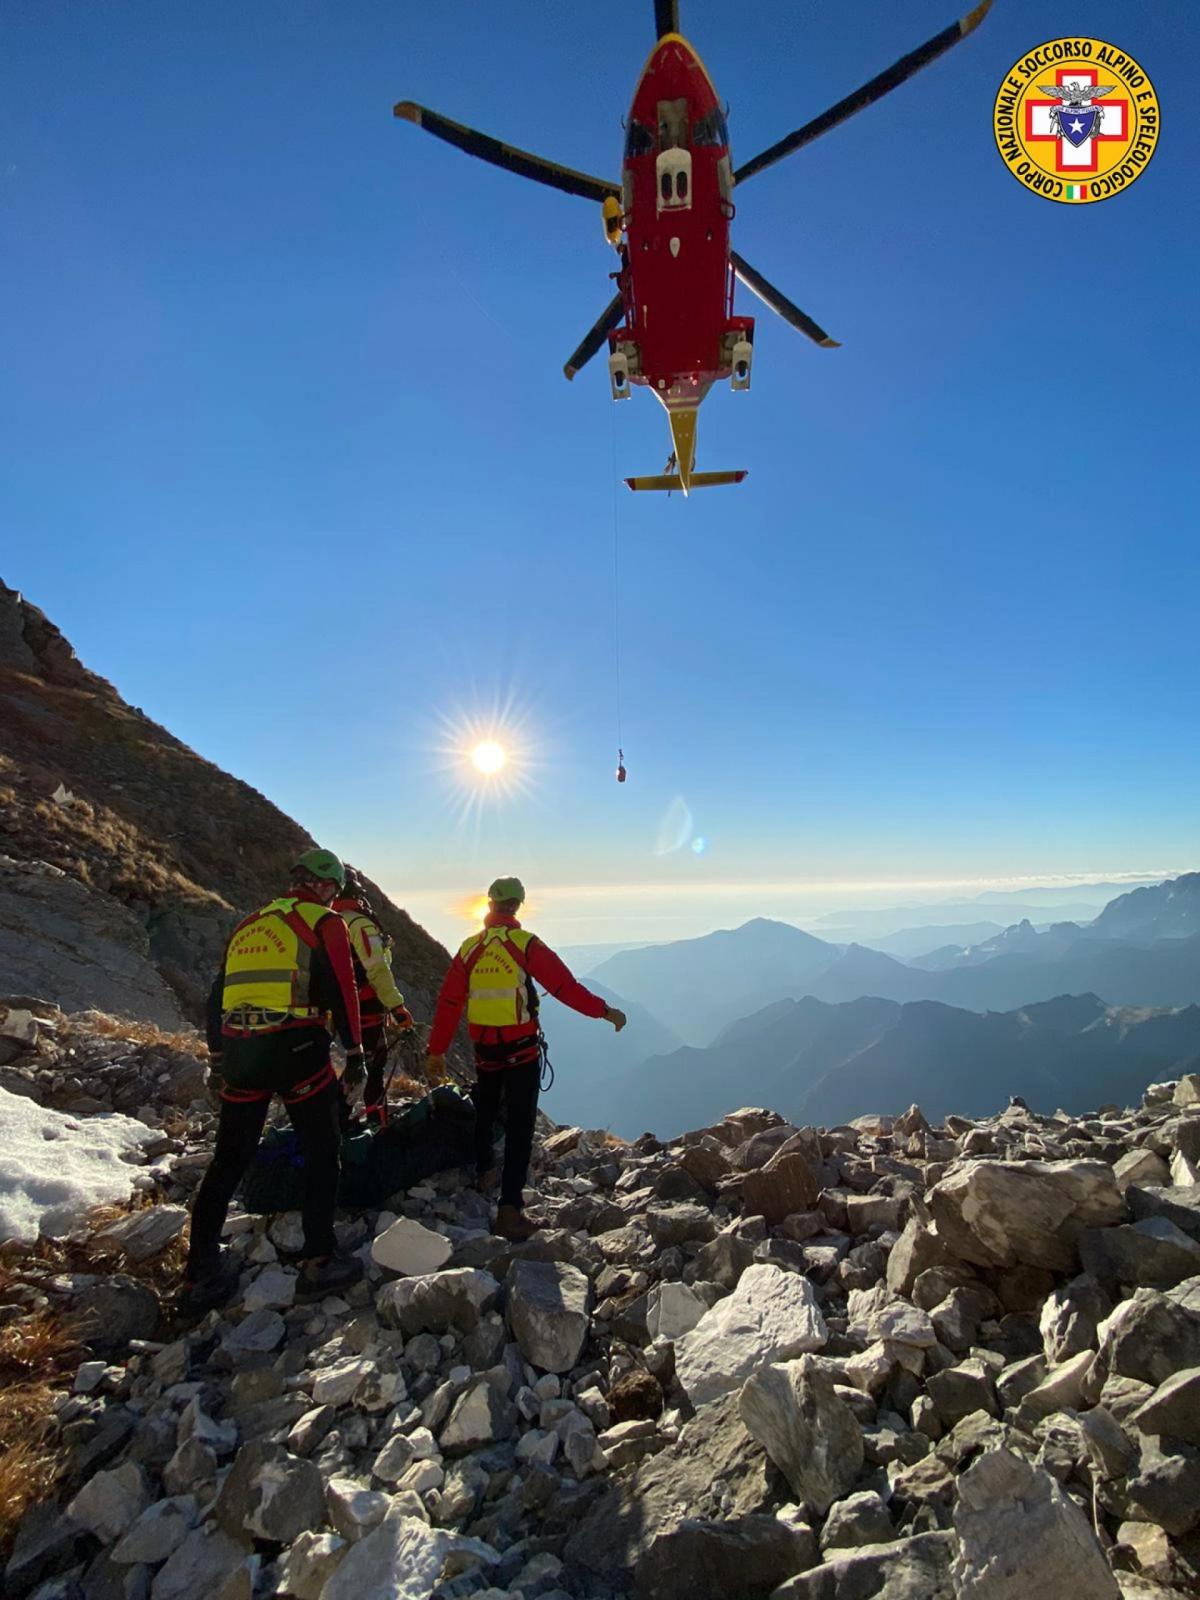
(956, 1360)
(160, 849)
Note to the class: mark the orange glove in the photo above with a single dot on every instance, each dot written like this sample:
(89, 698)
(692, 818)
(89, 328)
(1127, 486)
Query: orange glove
(435, 1071)
(403, 1018)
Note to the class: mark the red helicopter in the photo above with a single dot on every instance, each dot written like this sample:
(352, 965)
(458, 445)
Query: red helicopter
(671, 325)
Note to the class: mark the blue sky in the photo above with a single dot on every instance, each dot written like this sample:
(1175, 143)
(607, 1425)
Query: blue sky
(288, 455)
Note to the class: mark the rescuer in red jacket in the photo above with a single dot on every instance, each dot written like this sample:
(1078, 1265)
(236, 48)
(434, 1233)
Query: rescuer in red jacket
(494, 976)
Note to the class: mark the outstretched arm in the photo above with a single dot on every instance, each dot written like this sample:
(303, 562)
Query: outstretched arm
(552, 972)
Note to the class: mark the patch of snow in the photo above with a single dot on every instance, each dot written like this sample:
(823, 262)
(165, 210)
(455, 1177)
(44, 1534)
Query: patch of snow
(54, 1168)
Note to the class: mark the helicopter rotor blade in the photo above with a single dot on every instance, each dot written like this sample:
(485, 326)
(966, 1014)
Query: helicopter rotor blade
(666, 17)
(524, 164)
(780, 304)
(883, 84)
(609, 319)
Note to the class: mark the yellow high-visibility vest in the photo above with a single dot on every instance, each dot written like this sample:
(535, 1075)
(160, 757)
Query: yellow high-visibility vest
(268, 959)
(498, 988)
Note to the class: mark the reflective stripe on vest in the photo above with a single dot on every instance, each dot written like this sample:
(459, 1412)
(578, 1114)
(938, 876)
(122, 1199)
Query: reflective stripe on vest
(268, 959)
(498, 993)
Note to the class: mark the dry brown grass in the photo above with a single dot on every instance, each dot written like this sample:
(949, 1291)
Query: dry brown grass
(30, 1464)
(40, 1353)
(40, 1349)
(38, 1356)
(137, 1032)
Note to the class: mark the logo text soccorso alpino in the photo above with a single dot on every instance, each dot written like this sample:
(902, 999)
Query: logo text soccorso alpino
(1076, 120)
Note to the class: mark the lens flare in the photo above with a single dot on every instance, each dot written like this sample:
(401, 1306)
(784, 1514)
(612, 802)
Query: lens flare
(489, 757)
(675, 829)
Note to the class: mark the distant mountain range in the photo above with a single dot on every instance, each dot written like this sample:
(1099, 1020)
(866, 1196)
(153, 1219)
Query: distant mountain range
(697, 986)
(825, 1064)
(871, 925)
(584, 958)
(1168, 910)
(909, 943)
(771, 1014)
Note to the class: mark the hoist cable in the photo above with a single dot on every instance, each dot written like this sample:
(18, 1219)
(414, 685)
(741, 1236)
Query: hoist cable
(616, 544)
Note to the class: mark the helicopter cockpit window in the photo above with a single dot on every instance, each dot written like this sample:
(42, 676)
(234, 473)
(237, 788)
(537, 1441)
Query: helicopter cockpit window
(711, 129)
(639, 141)
(672, 124)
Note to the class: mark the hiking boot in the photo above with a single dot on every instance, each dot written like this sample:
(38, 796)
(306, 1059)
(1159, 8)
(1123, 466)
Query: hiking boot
(205, 1288)
(514, 1225)
(328, 1276)
(486, 1181)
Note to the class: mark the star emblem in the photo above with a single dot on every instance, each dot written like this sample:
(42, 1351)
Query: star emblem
(1077, 126)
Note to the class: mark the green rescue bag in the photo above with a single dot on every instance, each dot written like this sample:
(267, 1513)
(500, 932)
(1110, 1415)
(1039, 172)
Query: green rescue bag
(430, 1136)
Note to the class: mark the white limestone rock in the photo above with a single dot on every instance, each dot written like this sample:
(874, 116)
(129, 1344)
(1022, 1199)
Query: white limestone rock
(147, 1233)
(308, 1563)
(410, 1249)
(810, 1434)
(673, 1310)
(273, 1289)
(548, 1312)
(1022, 1538)
(401, 1559)
(437, 1302)
(337, 1385)
(353, 1509)
(772, 1315)
(111, 1502)
(1028, 1213)
(206, 1559)
(158, 1532)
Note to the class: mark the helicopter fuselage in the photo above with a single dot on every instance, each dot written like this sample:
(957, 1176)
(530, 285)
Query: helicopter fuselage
(679, 335)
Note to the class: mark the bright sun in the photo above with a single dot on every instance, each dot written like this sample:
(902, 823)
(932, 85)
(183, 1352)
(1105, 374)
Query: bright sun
(488, 757)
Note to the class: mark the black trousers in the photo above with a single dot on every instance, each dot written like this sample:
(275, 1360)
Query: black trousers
(273, 1063)
(375, 1047)
(517, 1087)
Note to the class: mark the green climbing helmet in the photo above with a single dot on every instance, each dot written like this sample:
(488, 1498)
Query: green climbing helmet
(507, 889)
(321, 864)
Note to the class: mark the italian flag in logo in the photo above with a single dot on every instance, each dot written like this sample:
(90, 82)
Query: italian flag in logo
(1076, 191)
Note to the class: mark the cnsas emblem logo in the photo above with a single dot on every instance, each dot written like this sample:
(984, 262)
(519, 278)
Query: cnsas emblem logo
(1076, 120)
